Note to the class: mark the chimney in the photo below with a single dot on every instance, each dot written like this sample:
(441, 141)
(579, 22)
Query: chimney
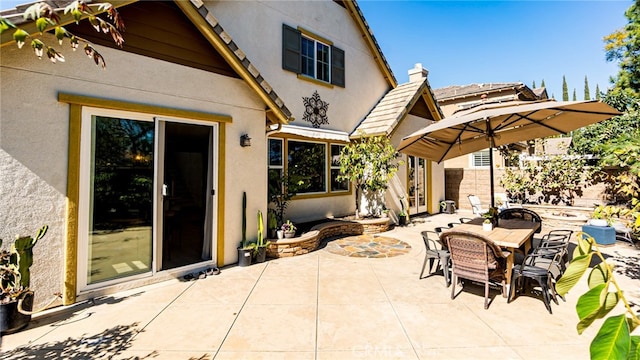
(418, 73)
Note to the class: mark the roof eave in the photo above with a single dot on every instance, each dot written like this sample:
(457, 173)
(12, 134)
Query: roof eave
(207, 24)
(367, 34)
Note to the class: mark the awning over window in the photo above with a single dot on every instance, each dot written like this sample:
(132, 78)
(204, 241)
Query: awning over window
(315, 133)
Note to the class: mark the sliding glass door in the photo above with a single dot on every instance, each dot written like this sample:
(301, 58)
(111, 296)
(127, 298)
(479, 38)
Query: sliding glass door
(146, 196)
(120, 236)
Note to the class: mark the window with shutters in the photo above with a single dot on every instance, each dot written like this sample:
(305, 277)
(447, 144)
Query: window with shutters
(480, 158)
(312, 56)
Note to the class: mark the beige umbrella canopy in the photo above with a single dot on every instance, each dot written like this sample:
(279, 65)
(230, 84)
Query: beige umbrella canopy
(491, 125)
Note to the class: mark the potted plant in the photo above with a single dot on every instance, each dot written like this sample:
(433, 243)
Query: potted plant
(603, 215)
(402, 216)
(245, 249)
(272, 223)
(261, 245)
(492, 216)
(282, 188)
(487, 225)
(16, 298)
(288, 229)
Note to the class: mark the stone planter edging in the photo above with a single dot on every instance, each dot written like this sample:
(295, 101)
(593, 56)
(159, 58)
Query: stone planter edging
(310, 240)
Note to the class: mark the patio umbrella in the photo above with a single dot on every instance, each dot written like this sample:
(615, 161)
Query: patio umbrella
(491, 125)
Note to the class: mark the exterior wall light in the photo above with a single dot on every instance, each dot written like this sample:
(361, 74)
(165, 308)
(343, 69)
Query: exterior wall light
(245, 140)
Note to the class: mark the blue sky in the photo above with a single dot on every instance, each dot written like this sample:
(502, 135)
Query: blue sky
(464, 42)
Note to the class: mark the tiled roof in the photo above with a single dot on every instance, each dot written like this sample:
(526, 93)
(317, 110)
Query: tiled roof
(367, 33)
(240, 60)
(455, 91)
(391, 109)
(541, 92)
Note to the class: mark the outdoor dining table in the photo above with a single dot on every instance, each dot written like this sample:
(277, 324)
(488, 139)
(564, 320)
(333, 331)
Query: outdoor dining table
(511, 234)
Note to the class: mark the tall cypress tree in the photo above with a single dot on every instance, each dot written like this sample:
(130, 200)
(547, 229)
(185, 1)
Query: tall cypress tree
(575, 98)
(533, 86)
(598, 97)
(542, 84)
(587, 96)
(565, 89)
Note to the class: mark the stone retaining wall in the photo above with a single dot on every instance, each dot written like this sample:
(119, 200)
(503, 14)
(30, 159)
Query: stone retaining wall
(310, 240)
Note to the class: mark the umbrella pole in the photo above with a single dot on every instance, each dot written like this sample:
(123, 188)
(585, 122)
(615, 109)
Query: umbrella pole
(491, 174)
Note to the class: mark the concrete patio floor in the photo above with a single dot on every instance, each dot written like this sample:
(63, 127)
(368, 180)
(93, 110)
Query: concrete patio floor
(316, 306)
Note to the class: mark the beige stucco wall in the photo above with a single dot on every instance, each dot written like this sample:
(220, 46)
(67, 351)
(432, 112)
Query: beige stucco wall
(34, 139)
(365, 85)
(409, 125)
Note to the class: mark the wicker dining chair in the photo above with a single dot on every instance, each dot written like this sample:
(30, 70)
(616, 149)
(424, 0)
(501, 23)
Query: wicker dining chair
(475, 257)
(434, 251)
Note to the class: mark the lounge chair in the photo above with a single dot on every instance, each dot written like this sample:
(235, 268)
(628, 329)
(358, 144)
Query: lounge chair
(476, 205)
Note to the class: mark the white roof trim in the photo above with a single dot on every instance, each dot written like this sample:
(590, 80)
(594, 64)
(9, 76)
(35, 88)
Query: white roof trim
(315, 133)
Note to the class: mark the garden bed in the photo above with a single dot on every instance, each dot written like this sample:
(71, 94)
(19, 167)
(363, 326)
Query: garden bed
(311, 240)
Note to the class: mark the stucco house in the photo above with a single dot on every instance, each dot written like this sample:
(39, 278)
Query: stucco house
(139, 170)
(469, 174)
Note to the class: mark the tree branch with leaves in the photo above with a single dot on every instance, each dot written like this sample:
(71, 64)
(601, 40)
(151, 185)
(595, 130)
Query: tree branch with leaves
(47, 19)
(614, 339)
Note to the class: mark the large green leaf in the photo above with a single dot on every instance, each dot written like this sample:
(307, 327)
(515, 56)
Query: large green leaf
(634, 349)
(573, 273)
(609, 302)
(584, 244)
(599, 275)
(588, 307)
(612, 341)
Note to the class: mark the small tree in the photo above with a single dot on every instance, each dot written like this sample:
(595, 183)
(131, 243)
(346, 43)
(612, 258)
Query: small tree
(368, 164)
(517, 181)
(282, 188)
(48, 19)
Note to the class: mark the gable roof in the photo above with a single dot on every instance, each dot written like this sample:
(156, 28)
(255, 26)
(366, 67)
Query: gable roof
(357, 15)
(395, 106)
(209, 27)
(450, 93)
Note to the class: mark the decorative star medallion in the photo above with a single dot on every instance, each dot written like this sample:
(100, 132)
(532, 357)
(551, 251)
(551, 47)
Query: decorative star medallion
(315, 110)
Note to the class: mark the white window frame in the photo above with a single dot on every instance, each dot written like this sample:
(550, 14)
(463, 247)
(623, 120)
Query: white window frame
(479, 154)
(336, 167)
(316, 45)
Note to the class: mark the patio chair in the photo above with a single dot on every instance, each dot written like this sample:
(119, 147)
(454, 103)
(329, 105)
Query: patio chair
(476, 205)
(465, 220)
(551, 237)
(521, 214)
(503, 200)
(435, 251)
(475, 257)
(440, 229)
(542, 265)
(624, 233)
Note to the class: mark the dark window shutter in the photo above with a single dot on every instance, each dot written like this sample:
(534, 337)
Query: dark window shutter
(337, 66)
(291, 48)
